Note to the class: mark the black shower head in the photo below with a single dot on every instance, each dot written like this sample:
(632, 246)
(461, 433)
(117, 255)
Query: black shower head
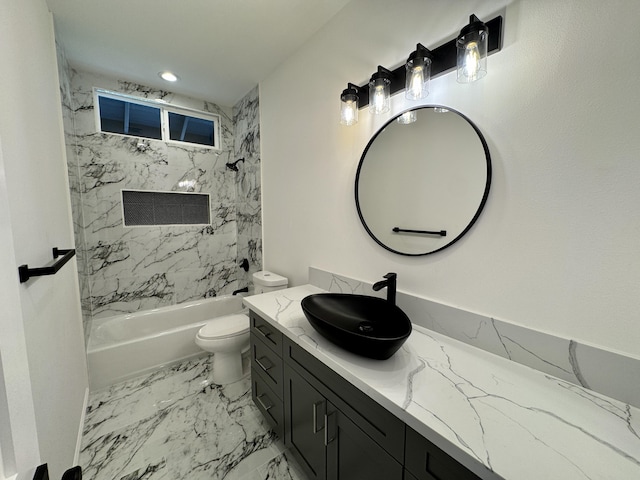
(234, 165)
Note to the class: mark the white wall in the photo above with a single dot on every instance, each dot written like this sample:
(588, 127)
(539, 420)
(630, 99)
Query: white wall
(18, 435)
(47, 319)
(556, 248)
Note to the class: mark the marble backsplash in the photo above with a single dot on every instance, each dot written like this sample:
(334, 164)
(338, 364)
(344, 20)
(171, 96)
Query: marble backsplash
(605, 371)
(126, 269)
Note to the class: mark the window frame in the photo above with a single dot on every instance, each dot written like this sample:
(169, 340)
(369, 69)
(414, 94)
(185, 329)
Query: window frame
(165, 108)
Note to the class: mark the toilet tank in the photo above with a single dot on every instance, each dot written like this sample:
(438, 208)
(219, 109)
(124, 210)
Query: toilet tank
(264, 282)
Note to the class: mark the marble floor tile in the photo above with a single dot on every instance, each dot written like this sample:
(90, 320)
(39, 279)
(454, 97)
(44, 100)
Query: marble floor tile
(175, 424)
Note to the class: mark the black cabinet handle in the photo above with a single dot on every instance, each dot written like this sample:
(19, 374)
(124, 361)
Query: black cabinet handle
(26, 273)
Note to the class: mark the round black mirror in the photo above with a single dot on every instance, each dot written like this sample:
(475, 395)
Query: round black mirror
(423, 180)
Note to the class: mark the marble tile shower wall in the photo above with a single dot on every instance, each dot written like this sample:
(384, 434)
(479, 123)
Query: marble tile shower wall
(73, 171)
(246, 120)
(131, 269)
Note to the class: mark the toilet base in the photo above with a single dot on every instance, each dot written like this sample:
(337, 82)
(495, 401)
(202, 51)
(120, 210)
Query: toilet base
(227, 368)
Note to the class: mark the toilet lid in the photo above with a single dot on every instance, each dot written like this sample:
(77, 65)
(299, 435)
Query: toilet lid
(226, 326)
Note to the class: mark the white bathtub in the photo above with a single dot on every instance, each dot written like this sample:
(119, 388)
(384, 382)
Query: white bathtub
(126, 346)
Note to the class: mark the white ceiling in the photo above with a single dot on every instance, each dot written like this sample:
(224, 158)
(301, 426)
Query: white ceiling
(220, 49)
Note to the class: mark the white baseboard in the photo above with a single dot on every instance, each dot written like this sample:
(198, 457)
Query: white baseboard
(76, 457)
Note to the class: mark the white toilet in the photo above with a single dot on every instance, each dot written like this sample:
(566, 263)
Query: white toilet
(227, 337)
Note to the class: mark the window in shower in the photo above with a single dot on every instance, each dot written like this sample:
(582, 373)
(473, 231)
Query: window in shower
(129, 118)
(148, 208)
(138, 117)
(191, 129)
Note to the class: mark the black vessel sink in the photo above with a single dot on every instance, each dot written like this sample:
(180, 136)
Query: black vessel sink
(369, 326)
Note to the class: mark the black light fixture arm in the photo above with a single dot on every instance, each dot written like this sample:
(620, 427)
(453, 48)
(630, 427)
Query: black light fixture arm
(443, 60)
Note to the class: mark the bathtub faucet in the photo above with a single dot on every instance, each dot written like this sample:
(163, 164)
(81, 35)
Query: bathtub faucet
(240, 290)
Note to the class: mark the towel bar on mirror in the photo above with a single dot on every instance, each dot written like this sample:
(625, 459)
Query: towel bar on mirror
(442, 233)
(26, 273)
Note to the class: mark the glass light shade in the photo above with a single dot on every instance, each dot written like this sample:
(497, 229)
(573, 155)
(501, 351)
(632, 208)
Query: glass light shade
(349, 112)
(349, 106)
(472, 52)
(379, 94)
(418, 76)
(407, 117)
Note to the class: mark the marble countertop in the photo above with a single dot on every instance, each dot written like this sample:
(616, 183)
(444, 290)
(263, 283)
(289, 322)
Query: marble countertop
(501, 419)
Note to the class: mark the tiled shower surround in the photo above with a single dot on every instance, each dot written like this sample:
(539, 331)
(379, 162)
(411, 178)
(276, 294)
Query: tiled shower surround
(123, 269)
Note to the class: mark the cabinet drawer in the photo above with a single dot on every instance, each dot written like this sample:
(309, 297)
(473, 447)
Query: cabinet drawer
(265, 361)
(267, 402)
(266, 332)
(427, 462)
(373, 419)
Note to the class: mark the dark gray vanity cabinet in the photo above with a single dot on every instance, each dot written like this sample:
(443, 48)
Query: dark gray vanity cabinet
(326, 443)
(305, 410)
(328, 440)
(266, 372)
(333, 429)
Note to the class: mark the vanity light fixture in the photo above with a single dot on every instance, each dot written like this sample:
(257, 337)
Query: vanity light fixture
(476, 40)
(418, 73)
(472, 51)
(380, 91)
(349, 105)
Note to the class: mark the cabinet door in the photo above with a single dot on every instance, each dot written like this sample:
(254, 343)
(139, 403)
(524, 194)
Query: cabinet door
(305, 410)
(352, 455)
(408, 476)
(428, 462)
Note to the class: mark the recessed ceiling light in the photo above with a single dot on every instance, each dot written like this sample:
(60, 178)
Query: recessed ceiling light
(168, 76)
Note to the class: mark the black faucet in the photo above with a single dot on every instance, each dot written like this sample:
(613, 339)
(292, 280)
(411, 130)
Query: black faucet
(390, 283)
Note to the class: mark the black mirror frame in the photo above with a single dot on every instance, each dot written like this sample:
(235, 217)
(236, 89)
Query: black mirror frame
(482, 202)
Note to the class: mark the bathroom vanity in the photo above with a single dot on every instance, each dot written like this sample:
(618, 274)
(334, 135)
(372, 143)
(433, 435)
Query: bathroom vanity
(438, 409)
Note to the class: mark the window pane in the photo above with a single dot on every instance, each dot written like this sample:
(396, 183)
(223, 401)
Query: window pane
(190, 129)
(118, 116)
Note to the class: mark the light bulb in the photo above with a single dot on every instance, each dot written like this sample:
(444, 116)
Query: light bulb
(349, 106)
(471, 60)
(378, 100)
(417, 79)
(349, 113)
(379, 91)
(472, 51)
(418, 73)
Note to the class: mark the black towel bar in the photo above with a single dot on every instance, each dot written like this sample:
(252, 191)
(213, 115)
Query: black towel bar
(26, 273)
(442, 233)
